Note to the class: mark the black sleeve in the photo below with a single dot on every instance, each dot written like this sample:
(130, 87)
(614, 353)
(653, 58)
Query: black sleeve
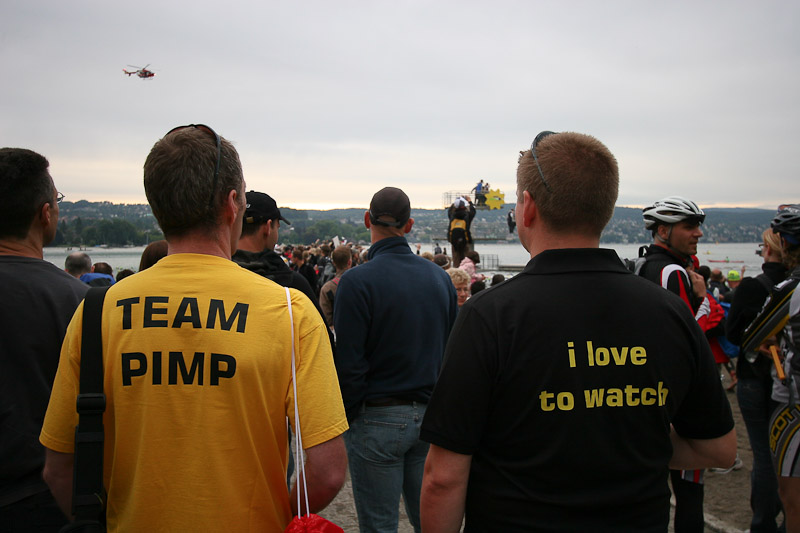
(705, 412)
(461, 402)
(747, 302)
(300, 283)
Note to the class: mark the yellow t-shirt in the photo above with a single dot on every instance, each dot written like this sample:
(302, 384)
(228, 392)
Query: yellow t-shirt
(198, 381)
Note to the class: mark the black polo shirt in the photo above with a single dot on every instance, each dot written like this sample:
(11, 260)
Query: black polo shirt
(562, 383)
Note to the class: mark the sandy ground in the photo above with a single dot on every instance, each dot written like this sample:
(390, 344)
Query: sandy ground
(727, 496)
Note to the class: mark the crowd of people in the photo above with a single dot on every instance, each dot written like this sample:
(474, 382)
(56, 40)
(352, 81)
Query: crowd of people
(517, 406)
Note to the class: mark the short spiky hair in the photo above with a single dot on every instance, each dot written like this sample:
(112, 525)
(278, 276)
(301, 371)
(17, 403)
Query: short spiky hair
(340, 256)
(178, 176)
(25, 186)
(584, 182)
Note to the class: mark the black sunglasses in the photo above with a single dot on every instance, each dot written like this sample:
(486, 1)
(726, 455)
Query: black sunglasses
(207, 129)
(534, 144)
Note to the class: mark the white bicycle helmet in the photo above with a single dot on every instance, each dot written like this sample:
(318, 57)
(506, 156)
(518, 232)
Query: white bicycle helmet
(671, 210)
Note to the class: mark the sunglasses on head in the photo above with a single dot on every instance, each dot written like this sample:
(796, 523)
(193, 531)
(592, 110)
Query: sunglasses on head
(534, 144)
(203, 127)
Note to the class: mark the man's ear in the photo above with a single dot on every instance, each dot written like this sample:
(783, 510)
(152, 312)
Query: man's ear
(266, 229)
(46, 214)
(529, 209)
(232, 206)
(662, 231)
(367, 222)
(409, 225)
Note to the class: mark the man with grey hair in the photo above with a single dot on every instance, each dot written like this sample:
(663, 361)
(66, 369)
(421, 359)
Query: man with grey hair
(392, 316)
(77, 264)
(199, 356)
(38, 302)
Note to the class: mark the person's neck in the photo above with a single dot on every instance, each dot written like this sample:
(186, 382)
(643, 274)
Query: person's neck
(217, 244)
(683, 257)
(248, 244)
(542, 241)
(377, 235)
(21, 248)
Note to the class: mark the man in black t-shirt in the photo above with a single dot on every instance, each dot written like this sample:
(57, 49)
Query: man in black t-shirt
(557, 413)
(38, 302)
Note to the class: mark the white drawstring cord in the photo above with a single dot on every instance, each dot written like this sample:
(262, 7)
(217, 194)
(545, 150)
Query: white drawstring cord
(301, 470)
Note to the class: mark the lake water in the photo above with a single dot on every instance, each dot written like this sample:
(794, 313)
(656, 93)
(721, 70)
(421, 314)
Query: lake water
(714, 255)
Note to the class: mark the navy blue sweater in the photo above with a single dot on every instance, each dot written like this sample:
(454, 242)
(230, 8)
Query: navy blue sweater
(392, 317)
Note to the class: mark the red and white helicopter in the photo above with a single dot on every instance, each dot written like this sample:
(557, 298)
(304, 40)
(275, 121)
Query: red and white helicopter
(142, 72)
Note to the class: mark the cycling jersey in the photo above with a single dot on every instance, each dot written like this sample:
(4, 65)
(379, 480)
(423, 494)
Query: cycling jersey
(784, 435)
(668, 270)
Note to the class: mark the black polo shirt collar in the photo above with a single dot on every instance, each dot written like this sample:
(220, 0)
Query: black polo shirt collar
(564, 260)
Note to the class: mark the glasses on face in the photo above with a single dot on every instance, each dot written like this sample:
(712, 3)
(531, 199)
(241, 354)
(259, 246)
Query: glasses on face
(207, 129)
(534, 144)
(59, 197)
(760, 250)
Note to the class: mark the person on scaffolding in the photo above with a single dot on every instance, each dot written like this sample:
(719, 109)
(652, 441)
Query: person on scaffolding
(480, 193)
(460, 215)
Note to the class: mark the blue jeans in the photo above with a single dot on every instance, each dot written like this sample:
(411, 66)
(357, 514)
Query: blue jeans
(386, 459)
(756, 407)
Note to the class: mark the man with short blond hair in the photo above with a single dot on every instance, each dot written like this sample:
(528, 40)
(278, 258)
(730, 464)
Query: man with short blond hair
(524, 386)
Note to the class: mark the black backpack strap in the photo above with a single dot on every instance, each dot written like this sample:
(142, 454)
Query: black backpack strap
(88, 494)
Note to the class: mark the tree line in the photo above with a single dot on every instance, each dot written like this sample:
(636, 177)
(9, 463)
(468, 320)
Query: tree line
(137, 230)
(103, 223)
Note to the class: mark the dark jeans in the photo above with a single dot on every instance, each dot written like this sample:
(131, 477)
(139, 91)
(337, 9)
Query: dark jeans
(36, 514)
(756, 407)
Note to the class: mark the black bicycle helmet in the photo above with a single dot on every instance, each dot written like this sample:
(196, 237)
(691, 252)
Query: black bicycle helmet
(787, 222)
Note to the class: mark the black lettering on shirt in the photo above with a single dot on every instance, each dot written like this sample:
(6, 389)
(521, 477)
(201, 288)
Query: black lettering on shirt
(176, 362)
(150, 310)
(193, 316)
(127, 305)
(179, 371)
(128, 371)
(156, 368)
(216, 373)
(217, 308)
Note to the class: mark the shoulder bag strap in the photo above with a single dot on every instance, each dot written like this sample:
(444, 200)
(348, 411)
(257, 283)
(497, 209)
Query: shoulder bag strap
(88, 494)
(301, 471)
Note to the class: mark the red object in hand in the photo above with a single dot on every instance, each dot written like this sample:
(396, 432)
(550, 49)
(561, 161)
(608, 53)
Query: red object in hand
(311, 523)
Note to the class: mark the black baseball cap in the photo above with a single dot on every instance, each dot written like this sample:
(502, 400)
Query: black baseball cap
(260, 208)
(390, 202)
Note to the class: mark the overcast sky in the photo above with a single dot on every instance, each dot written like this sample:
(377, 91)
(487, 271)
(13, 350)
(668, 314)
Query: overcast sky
(328, 101)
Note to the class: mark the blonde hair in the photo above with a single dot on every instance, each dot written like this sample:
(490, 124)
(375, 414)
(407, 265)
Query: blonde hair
(583, 179)
(773, 240)
(458, 276)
